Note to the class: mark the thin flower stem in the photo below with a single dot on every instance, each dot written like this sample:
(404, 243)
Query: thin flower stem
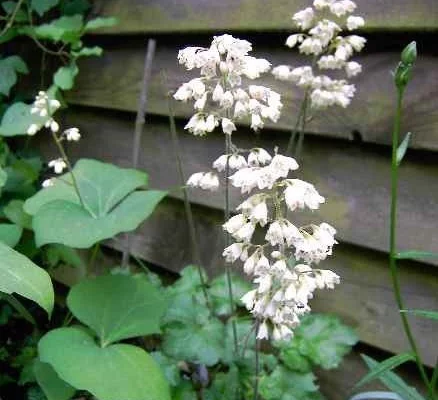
(294, 132)
(257, 364)
(93, 256)
(12, 19)
(67, 161)
(393, 241)
(196, 253)
(227, 213)
(299, 148)
(434, 380)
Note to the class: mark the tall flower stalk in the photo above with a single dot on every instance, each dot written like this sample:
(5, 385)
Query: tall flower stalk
(320, 38)
(45, 107)
(221, 99)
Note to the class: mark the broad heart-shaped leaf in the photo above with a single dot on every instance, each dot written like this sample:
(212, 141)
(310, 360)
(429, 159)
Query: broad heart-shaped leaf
(283, 384)
(3, 177)
(117, 307)
(111, 205)
(324, 339)
(393, 382)
(115, 372)
(100, 22)
(18, 118)
(195, 343)
(52, 385)
(293, 359)
(9, 68)
(169, 367)
(64, 78)
(220, 294)
(10, 234)
(88, 51)
(20, 275)
(42, 6)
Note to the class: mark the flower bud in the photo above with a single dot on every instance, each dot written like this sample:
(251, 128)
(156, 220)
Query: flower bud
(409, 54)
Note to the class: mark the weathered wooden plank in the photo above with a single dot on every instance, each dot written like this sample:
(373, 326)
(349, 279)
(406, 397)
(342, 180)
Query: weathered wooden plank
(141, 16)
(364, 300)
(113, 82)
(355, 180)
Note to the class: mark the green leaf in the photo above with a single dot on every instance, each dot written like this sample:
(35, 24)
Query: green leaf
(387, 365)
(52, 385)
(9, 7)
(413, 254)
(115, 372)
(15, 213)
(100, 22)
(111, 205)
(67, 29)
(13, 302)
(3, 177)
(245, 338)
(117, 307)
(9, 68)
(185, 391)
(20, 275)
(293, 359)
(65, 76)
(283, 384)
(325, 339)
(403, 147)
(220, 296)
(88, 51)
(17, 119)
(195, 343)
(42, 6)
(224, 386)
(169, 367)
(422, 313)
(58, 253)
(72, 7)
(10, 234)
(393, 382)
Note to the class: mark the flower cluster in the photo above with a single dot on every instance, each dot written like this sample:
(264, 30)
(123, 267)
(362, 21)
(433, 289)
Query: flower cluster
(283, 289)
(321, 38)
(46, 107)
(219, 95)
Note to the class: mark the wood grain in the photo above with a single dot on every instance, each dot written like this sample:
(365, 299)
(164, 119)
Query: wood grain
(113, 82)
(354, 179)
(164, 16)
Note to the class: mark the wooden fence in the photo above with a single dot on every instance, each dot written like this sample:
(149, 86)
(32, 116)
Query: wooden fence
(346, 152)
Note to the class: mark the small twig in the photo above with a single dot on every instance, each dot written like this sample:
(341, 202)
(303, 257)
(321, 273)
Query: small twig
(139, 125)
(12, 19)
(196, 253)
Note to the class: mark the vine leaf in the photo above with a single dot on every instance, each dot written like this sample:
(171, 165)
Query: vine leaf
(42, 6)
(9, 68)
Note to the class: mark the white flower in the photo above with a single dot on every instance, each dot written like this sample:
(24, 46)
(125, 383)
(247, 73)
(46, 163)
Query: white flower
(263, 332)
(321, 4)
(47, 183)
(353, 68)
(300, 194)
(244, 234)
(275, 234)
(342, 7)
(72, 134)
(240, 110)
(245, 178)
(237, 162)
(54, 126)
(200, 103)
(259, 214)
(254, 67)
(281, 165)
(354, 22)
(33, 129)
(218, 93)
(249, 298)
(256, 122)
(258, 157)
(228, 126)
(357, 42)
(58, 165)
(304, 18)
(282, 72)
(330, 62)
(183, 93)
(292, 40)
(235, 223)
(206, 181)
(233, 252)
